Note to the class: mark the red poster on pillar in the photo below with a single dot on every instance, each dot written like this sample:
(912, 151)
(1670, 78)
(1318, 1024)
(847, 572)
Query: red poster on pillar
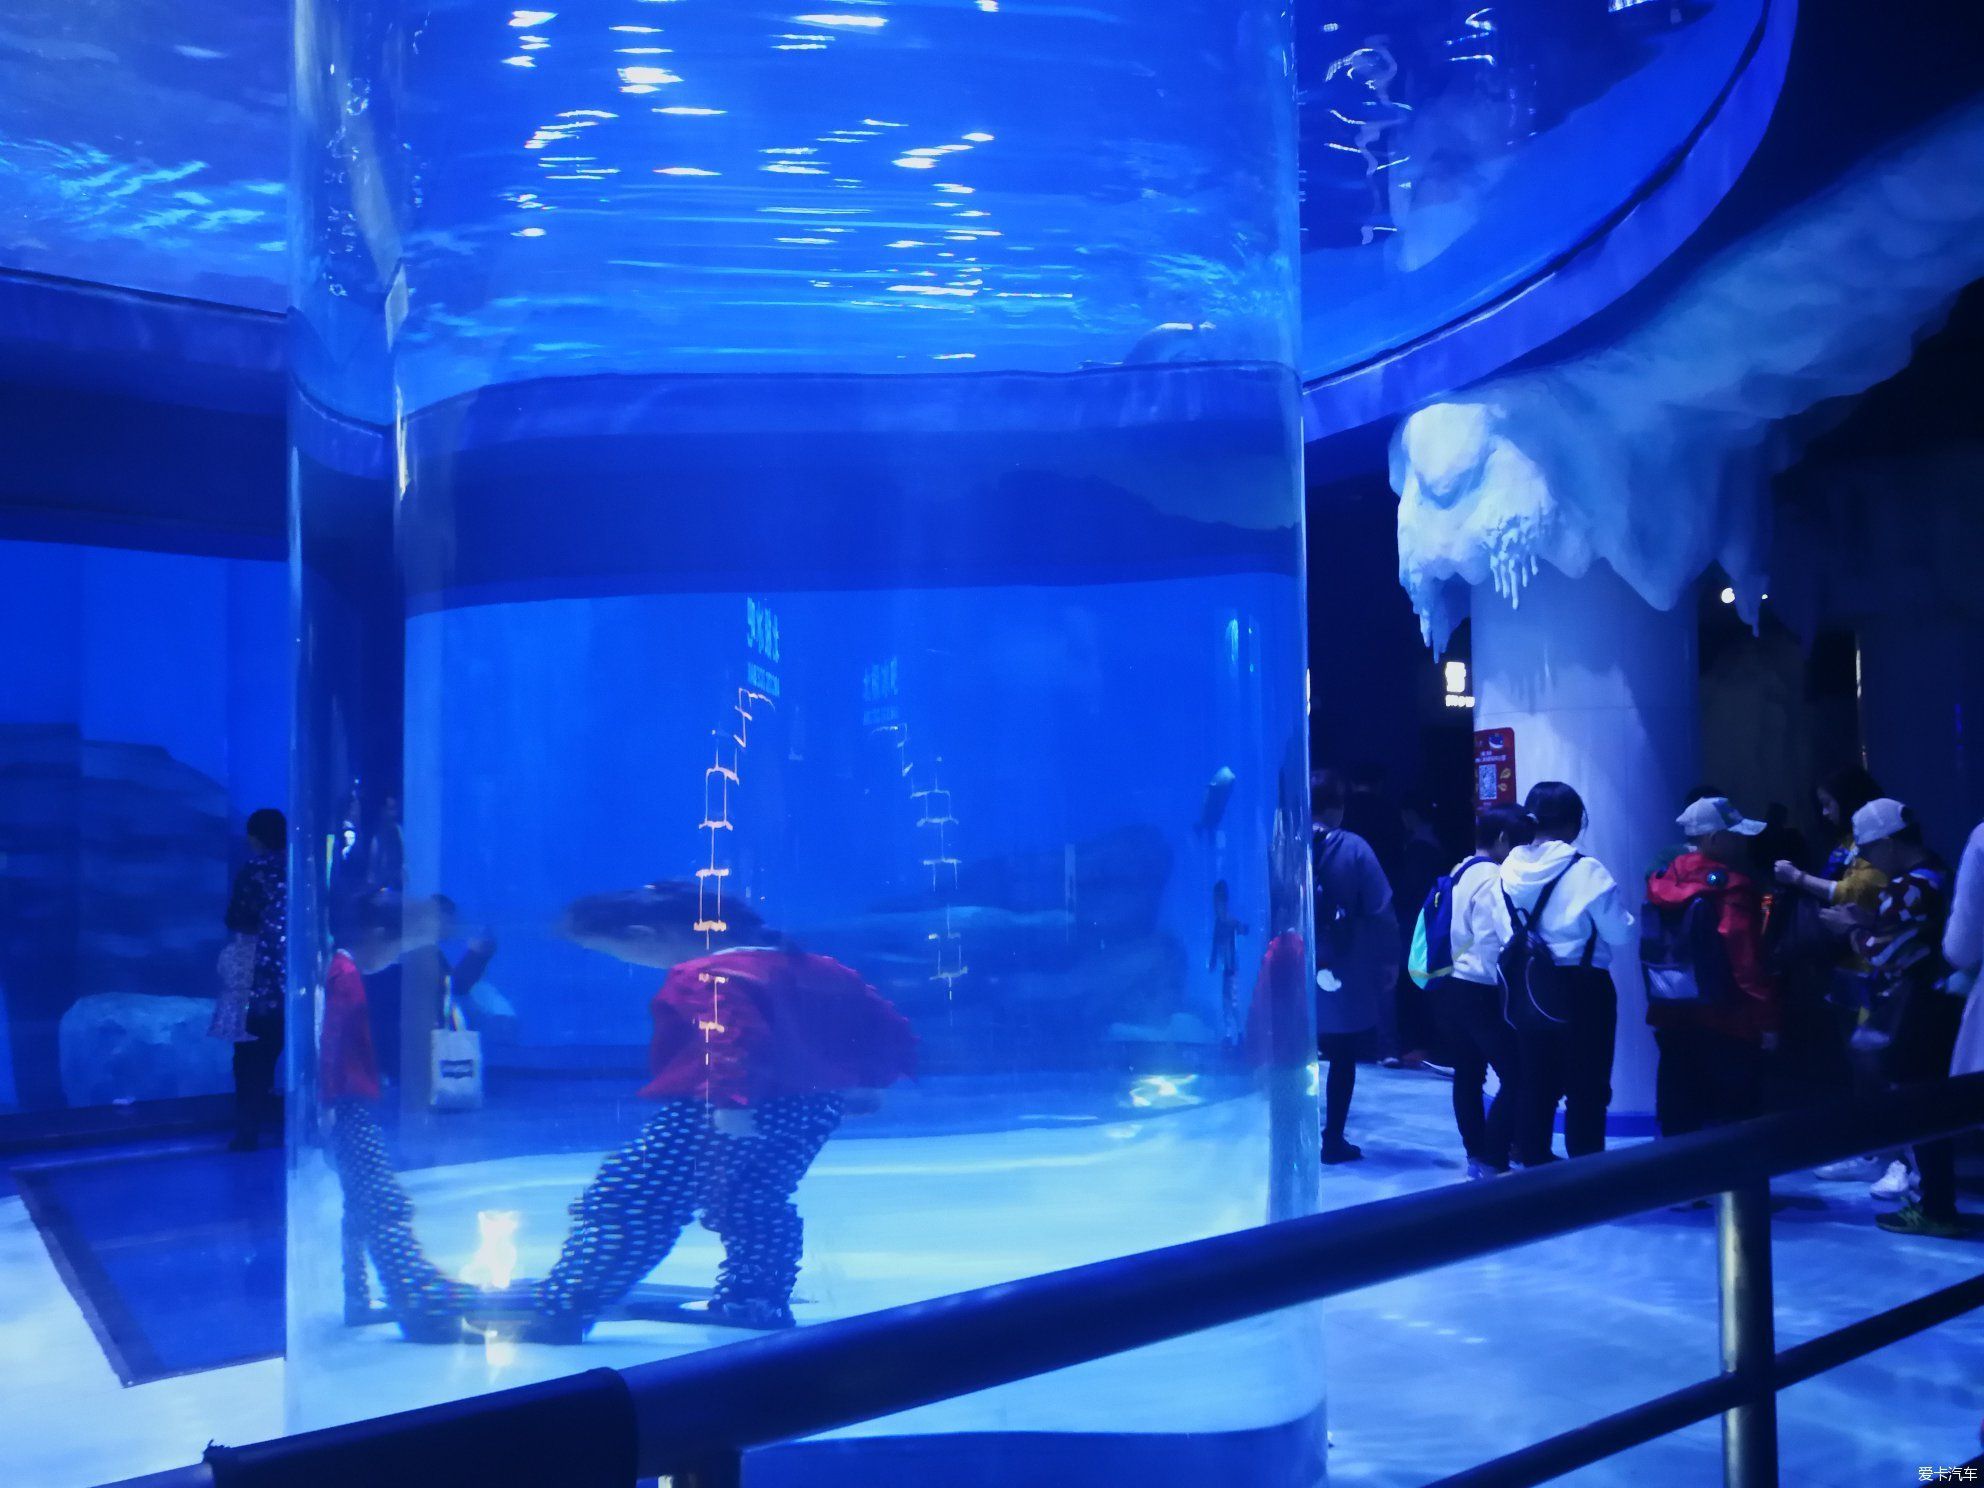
(1494, 768)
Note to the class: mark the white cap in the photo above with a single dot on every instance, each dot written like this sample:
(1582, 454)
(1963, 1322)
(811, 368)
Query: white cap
(1878, 819)
(1712, 814)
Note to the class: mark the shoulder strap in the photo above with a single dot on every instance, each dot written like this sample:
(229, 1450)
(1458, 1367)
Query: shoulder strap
(1550, 888)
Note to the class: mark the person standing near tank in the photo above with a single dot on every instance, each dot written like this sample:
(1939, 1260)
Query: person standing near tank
(1910, 1034)
(1571, 903)
(1711, 1069)
(257, 913)
(1357, 956)
(1467, 1001)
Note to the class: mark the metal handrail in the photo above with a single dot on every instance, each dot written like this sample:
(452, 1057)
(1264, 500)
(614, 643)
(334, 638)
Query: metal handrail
(692, 1417)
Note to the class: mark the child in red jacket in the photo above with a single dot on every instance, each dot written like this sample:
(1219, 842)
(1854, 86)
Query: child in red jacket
(1712, 1050)
(758, 1049)
(378, 1215)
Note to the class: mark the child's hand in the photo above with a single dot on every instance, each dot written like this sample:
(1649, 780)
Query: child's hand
(735, 1123)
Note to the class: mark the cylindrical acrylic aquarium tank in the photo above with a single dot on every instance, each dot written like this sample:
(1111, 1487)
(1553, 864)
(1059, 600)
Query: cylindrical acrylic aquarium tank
(801, 772)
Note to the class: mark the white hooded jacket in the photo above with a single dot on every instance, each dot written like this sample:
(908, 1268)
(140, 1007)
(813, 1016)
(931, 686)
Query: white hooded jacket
(1586, 908)
(1477, 942)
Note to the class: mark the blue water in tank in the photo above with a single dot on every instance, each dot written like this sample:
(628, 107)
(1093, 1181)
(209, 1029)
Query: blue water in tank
(842, 460)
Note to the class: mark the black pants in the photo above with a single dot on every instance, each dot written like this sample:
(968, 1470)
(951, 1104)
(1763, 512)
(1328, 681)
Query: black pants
(1570, 1062)
(1705, 1078)
(255, 1064)
(378, 1221)
(645, 1195)
(1923, 1044)
(1478, 1038)
(1340, 1052)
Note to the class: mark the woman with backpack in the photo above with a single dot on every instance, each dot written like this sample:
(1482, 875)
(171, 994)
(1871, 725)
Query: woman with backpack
(1711, 999)
(1559, 919)
(1456, 955)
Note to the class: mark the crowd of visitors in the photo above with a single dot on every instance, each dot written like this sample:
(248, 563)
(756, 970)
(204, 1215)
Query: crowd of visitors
(1769, 978)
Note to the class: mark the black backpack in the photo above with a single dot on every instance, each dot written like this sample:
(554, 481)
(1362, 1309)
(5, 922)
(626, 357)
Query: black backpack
(1536, 991)
(1682, 954)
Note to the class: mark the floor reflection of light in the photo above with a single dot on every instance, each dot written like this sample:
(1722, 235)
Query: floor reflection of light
(495, 1260)
(1163, 1092)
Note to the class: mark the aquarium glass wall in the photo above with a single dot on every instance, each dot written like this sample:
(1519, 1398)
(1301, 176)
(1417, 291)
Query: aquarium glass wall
(143, 708)
(801, 774)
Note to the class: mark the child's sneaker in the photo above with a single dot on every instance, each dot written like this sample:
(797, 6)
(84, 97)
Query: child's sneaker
(1898, 1182)
(1340, 1151)
(1913, 1221)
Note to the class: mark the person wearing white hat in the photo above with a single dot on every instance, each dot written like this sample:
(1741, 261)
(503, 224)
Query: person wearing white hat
(1712, 1000)
(1912, 1024)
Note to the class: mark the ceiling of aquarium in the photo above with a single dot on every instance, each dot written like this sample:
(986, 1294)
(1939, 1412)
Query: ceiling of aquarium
(1449, 153)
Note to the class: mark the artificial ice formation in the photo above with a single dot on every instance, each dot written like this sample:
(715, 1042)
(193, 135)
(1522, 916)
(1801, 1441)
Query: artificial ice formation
(1654, 455)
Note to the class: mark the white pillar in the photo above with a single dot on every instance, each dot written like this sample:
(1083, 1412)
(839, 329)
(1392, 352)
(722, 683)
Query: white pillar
(1600, 690)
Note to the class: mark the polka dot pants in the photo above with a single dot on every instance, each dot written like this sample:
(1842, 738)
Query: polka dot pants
(646, 1194)
(378, 1220)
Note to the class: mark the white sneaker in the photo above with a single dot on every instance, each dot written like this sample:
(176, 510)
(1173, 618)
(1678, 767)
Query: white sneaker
(1897, 1183)
(1852, 1170)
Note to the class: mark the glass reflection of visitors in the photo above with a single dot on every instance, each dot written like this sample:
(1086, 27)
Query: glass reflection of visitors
(758, 1051)
(1225, 959)
(248, 1012)
(378, 1216)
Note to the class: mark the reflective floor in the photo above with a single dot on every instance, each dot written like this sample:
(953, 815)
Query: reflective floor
(1426, 1376)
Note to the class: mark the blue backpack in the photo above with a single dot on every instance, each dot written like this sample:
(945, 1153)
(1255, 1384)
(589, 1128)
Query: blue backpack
(1432, 955)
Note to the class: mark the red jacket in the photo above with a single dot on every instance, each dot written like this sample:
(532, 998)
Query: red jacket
(742, 1027)
(346, 1066)
(1754, 1012)
(1279, 1031)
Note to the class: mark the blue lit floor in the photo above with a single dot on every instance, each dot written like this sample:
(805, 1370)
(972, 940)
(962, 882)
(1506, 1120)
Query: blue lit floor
(1425, 1376)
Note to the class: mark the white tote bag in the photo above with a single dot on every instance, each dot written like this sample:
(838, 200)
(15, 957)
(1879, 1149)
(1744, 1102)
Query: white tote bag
(456, 1067)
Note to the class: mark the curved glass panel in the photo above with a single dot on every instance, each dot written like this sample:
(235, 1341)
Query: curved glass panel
(1450, 154)
(1454, 155)
(801, 777)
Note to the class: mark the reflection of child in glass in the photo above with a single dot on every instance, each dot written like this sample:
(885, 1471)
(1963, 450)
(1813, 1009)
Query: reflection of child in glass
(758, 1050)
(378, 1215)
(1225, 960)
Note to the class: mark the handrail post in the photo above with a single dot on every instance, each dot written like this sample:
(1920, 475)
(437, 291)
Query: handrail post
(1749, 1344)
